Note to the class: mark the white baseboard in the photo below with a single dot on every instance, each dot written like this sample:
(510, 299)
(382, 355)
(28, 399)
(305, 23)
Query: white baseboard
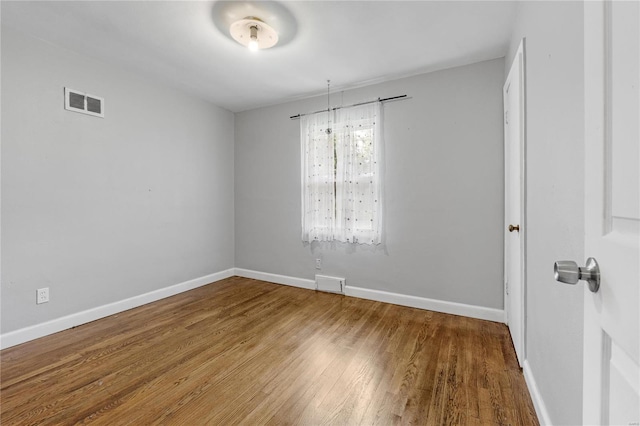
(40, 330)
(472, 311)
(462, 309)
(26, 334)
(538, 402)
(275, 278)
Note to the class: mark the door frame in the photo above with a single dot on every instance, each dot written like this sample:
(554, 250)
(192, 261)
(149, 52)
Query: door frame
(520, 351)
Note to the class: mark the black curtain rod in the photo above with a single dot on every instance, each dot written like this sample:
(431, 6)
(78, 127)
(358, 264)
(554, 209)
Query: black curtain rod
(293, 117)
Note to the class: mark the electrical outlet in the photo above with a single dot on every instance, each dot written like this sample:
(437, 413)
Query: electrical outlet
(318, 263)
(42, 295)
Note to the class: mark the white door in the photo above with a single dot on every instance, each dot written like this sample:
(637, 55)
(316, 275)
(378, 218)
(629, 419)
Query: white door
(513, 96)
(612, 212)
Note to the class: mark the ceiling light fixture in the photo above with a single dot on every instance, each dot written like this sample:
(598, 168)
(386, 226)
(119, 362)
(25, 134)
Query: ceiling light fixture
(253, 33)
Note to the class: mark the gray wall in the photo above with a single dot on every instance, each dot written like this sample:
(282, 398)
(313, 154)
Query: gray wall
(443, 185)
(555, 188)
(100, 210)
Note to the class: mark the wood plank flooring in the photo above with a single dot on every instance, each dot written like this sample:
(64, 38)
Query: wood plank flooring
(242, 351)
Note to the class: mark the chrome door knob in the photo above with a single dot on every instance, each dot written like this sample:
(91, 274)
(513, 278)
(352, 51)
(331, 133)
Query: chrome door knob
(567, 271)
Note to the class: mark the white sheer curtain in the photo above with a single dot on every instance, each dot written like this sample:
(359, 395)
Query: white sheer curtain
(318, 177)
(341, 181)
(358, 180)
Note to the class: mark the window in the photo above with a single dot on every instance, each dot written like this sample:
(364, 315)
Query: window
(341, 182)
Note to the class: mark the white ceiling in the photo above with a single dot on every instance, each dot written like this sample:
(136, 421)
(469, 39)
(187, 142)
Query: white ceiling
(353, 43)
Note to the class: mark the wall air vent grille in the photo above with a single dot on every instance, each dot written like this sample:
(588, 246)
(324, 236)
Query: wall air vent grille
(83, 103)
(330, 284)
(94, 105)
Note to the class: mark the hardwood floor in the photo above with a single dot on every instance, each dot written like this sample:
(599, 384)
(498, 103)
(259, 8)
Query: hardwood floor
(249, 352)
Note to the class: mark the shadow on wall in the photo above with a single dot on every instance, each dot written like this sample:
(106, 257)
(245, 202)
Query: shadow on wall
(317, 247)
